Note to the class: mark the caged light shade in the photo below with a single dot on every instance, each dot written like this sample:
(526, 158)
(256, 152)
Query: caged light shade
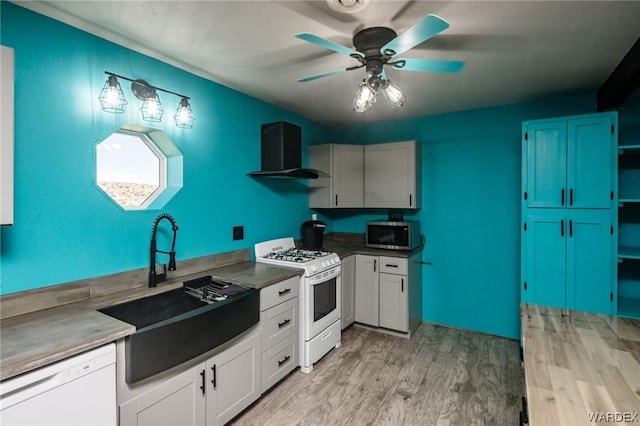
(112, 97)
(365, 97)
(184, 115)
(152, 109)
(395, 96)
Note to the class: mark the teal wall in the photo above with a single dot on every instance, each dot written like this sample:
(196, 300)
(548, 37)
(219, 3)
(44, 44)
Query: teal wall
(65, 229)
(470, 208)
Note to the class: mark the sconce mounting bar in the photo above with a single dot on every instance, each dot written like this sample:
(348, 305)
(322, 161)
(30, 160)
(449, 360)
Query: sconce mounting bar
(145, 84)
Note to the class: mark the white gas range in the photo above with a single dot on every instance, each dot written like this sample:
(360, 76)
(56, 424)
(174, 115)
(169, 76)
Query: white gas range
(320, 294)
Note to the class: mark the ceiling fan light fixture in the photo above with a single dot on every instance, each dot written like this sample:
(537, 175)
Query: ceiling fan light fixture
(365, 97)
(394, 95)
(347, 6)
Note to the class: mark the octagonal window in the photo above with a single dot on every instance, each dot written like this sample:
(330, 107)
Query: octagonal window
(138, 168)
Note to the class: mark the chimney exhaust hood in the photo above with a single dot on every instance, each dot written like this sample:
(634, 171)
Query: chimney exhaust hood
(281, 154)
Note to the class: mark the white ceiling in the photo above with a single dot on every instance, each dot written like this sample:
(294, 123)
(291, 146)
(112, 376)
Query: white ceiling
(514, 50)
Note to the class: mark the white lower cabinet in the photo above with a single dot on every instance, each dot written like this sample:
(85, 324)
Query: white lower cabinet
(388, 292)
(348, 314)
(176, 401)
(367, 289)
(279, 325)
(234, 380)
(209, 393)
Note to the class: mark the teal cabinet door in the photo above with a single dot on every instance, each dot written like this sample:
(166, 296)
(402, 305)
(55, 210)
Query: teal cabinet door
(590, 152)
(545, 145)
(589, 261)
(545, 263)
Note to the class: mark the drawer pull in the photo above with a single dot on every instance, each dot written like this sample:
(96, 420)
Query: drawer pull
(283, 360)
(389, 265)
(285, 291)
(283, 323)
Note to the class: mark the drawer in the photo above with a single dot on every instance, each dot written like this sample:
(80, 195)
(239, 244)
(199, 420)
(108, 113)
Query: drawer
(393, 265)
(279, 292)
(279, 322)
(279, 361)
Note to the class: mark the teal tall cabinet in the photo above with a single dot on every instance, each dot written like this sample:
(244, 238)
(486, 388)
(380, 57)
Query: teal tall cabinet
(569, 178)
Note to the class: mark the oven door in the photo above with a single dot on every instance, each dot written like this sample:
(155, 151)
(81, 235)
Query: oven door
(322, 298)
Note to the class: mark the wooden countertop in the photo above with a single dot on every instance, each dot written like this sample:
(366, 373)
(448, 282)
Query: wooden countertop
(35, 339)
(579, 365)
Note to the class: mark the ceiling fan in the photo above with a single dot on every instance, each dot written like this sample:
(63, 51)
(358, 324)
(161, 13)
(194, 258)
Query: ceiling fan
(376, 47)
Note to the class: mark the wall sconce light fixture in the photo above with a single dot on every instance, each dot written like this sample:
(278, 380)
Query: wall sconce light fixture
(112, 100)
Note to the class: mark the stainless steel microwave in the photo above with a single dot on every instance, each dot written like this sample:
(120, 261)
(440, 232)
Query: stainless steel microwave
(393, 235)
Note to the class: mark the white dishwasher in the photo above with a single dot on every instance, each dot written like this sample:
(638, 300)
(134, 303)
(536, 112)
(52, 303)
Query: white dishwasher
(77, 391)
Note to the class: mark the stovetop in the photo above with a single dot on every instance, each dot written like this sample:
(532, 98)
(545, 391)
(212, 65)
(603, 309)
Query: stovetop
(283, 252)
(296, 255)
(210, 291)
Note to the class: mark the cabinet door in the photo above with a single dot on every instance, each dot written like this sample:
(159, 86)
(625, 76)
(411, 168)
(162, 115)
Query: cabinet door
(589, 261)
(589, 162)
(390, 175)
(393, 302)
(178, 401)
(6, 135)
(546, 258)
(234, 378)
(348, 175)
(348, 314)
(545, 146)
(367, 274)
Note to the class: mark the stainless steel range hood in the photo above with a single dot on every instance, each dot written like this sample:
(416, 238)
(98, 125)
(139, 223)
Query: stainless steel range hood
(281, 155)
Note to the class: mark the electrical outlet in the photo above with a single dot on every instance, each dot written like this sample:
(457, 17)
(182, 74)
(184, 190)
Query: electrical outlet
(238, 233)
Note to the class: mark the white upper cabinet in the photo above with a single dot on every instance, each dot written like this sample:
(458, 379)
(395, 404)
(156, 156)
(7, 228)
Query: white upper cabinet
(380, 176)
(391, 175)
(6, 136)
(344, 165)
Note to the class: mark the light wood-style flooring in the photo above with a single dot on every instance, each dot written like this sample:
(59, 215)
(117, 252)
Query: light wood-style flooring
(441, 376)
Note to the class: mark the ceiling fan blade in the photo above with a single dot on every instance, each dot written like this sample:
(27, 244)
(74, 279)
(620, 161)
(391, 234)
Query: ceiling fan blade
(429, 65)
(424, 29)
(327, 44)
(324, 74)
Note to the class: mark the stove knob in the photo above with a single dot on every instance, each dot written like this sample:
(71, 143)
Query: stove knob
(313, 268)
(333, 261)
(323, 265)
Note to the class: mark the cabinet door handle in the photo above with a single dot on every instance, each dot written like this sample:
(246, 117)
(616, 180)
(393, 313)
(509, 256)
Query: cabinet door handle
(374, 265)
(202, 387)
(410, 200)
(571, 196)
(570, 227)
(390, 265)
(402, 285)
(283, 292)
(213, 381)
(562, 228)
(562, 197)
(283, 323)
(336, 199)
(283, 360)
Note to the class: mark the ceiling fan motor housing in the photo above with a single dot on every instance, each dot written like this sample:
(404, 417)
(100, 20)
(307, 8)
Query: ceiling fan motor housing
(368, 42)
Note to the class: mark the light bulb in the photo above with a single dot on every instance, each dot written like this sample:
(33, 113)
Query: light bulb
(184, 115)
(395, 96)
(111, 97)
(365, 97)
(152, 109)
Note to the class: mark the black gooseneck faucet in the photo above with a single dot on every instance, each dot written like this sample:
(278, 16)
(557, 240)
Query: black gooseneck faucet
(153, 277)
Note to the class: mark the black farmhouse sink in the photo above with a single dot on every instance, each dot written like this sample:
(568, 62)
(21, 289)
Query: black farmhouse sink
(174, 327)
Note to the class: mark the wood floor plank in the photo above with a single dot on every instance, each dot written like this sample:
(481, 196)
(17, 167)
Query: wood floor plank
(439, 376)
